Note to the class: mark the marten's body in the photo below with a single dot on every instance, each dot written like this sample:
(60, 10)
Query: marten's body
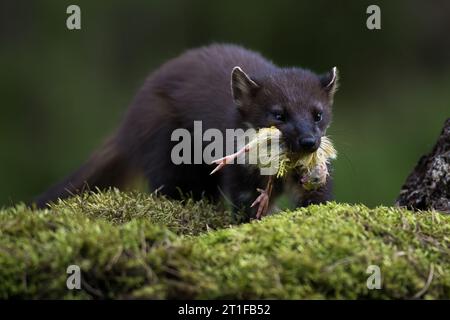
(196, 87)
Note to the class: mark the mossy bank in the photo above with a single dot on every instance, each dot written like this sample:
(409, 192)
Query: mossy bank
(131, 245)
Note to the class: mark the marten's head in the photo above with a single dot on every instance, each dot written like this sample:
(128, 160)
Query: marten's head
(296, 101)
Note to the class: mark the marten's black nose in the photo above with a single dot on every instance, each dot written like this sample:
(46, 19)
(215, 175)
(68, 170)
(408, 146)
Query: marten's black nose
(309, 144)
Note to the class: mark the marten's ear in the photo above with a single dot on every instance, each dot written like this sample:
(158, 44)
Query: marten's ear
(243, 88)
(329, 82)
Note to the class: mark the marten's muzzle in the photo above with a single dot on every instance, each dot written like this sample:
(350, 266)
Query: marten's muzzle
(304, 145)
(309, 144)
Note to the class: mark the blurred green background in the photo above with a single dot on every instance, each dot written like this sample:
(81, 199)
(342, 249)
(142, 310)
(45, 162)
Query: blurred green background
(62, 92)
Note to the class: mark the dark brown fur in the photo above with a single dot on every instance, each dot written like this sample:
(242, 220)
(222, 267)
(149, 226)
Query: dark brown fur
(196, 86)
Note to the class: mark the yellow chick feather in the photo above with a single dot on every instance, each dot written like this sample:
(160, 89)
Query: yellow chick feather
(313, 166)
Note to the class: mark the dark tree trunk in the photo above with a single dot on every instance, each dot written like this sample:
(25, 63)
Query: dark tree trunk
(428, 186)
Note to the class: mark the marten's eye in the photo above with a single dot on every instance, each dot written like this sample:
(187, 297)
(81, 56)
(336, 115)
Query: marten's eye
(278, 115)
(317, 116)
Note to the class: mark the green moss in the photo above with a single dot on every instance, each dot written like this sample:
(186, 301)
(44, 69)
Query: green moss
(131, 245)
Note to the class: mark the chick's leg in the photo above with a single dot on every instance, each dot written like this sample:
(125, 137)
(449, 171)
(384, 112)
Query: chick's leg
(263, 199)
(228, 159)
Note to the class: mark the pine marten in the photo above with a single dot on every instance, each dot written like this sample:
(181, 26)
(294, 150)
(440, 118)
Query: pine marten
(195, 86)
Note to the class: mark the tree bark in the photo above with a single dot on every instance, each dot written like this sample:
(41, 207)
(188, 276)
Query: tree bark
(428, 186)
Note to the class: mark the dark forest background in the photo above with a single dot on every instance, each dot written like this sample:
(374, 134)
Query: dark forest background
(62, 92)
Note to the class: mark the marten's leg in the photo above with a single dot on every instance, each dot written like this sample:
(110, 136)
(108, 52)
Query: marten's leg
(241, 184)
(238, 188)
